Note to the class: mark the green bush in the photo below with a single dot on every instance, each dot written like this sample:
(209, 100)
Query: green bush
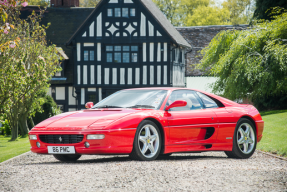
(271, 103)
(50, 109)
(5, 129)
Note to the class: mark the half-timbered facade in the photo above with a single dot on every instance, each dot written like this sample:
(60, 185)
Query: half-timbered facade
(125, 44)
(121, 44)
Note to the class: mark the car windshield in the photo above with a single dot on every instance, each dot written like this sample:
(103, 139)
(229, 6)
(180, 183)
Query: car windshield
(151, 99)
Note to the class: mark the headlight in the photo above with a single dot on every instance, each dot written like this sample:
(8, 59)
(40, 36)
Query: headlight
(33, 137)
(95, 137)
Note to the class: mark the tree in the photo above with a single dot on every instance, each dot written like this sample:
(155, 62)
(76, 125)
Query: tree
(89, 3)
(250, 63)
(208, 15)
(172, 10)
(262, 10)
(240, 11)
(206, 12)
(25, 68)
(41, 3)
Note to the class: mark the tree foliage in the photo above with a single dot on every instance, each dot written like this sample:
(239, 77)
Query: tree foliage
(172, 10)
(206, 12)
(263, 11)
(41, 3)
(89, 3)
(25, 69)
(250, 63)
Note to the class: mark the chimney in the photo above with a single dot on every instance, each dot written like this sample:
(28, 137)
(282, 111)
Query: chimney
(64, 3)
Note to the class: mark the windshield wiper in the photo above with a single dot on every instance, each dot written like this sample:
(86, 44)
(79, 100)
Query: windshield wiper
(108, 106)
(141, 106)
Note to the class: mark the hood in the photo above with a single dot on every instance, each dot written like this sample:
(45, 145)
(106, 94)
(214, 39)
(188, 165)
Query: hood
(95, 118)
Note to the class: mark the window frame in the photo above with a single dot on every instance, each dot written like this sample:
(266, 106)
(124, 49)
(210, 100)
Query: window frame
(122, 52)
(209, 98)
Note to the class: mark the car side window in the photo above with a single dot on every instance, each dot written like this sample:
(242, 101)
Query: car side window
(208, 102)
(185, 95)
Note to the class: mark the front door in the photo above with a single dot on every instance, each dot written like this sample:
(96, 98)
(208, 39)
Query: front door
(190, 124)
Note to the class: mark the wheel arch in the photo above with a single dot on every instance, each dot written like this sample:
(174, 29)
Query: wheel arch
(159, 125)
(252, 121)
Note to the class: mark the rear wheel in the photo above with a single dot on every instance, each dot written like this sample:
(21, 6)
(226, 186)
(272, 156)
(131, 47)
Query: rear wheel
(61, 157)
(244, 140)
(147, 142)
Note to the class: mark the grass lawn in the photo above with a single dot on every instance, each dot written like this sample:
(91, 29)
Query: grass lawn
(274, 138)
(14, 148)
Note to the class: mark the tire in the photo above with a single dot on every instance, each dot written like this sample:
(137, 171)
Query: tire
(244, 140)
(147, 142)
(61, 157)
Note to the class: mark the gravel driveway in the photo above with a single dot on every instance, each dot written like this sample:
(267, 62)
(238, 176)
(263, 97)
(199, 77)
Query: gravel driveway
(209, 171)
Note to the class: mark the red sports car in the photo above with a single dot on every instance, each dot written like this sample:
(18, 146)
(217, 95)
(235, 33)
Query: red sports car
(148, 122)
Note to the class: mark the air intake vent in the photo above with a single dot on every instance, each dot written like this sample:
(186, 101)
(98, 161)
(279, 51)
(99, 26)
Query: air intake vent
(61, 139)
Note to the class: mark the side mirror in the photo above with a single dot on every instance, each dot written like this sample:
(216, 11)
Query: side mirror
(178, 103)
(89, 105)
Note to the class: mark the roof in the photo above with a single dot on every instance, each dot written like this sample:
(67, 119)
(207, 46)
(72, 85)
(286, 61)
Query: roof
(165, 23)
(157, 15)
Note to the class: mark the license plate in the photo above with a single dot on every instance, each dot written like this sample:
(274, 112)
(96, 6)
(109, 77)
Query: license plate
(61, 149)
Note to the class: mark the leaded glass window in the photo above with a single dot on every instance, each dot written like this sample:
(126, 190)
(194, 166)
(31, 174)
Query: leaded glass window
(110, 12)
(117, 12)
(125, 12)
(132, 12)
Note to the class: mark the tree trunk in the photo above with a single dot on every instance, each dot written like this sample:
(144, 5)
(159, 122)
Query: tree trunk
(23, 125)
(14, 130)
(32, 122)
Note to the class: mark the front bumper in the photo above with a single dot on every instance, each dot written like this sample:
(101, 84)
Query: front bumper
(118, 141)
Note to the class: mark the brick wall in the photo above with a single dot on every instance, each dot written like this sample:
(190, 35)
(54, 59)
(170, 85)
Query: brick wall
(199, 37)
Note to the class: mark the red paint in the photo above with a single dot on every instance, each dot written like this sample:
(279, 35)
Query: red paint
(178, 103)
(89, 105)
(183, 131)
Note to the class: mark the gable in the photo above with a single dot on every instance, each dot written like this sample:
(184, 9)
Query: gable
(122, 19)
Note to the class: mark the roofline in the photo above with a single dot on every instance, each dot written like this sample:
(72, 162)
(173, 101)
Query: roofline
(77, 31)
(164, 27)
(213, 26)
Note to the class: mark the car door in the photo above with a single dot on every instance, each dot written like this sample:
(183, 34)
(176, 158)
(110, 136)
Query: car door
(225, 117)
(191, 123)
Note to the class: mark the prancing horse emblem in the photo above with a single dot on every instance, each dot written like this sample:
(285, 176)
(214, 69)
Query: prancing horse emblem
(60, 139)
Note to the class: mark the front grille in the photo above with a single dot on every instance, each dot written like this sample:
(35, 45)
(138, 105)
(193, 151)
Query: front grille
(61, 139)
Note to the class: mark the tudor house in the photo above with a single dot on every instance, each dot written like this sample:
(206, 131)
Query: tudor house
(119, 44)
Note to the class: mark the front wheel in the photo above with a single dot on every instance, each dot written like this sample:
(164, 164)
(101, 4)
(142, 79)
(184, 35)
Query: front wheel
(61, 157)
(244, 140)
(147, 142)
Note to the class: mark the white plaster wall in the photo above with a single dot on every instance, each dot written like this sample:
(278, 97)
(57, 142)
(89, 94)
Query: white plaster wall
(200, 83)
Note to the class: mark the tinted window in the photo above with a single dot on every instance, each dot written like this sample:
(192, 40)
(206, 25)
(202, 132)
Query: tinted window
(208, 102)
(186, 95)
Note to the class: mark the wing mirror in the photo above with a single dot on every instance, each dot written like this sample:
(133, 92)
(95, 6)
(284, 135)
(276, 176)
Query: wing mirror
(89, 105)
(178, 103)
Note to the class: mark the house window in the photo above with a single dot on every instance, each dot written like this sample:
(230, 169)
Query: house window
(125, 12)
(134, 57)
(110, 12)
(89, 55)
(117, 12)
(109, 57)
(92, 56)
(132, 12)
(86, 55)
(58, 74)
(122, 54)
(118, 57)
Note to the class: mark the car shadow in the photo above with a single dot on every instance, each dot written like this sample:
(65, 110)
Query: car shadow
(117, 159)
